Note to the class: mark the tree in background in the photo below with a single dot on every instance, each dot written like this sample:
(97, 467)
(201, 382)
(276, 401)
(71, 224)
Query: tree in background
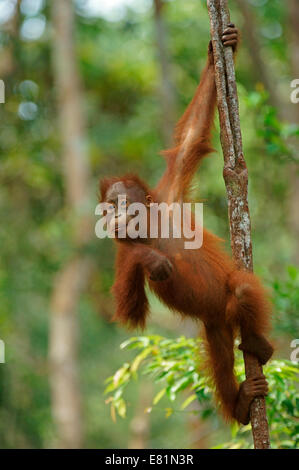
(166, 86)
(292, 11)
(72, 276)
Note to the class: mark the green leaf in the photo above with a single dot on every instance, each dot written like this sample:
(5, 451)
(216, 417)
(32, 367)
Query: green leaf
(121, 408)
(234, 429)
(109, 388)
(119, 375)
(159, 395)
(137, 361)
(188, 400)
(293, 272)
(181, 384)
(135, 342)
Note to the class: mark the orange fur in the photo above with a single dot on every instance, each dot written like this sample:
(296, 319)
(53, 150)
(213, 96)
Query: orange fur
(204, 283)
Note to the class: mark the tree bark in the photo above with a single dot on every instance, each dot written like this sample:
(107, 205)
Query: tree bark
(236, 181)
(166, 87)
(71, 279)
(7, 54)
(63, 354)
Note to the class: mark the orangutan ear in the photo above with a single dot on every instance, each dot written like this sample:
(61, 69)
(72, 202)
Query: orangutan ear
(149, 200)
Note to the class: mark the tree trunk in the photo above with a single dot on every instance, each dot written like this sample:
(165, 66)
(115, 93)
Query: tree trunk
(70, 280)
(236, 181)
(64, 375)
(7, 54)
(166, 88)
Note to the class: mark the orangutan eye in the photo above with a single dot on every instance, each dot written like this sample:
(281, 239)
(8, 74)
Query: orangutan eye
(110, 208)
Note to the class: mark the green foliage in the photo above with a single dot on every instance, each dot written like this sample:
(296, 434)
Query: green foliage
(286, 301)
(170, 362)
(275, 133)
(174, 366)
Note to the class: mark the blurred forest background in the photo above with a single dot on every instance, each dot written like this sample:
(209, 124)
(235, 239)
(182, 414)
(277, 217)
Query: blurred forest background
(93, 88)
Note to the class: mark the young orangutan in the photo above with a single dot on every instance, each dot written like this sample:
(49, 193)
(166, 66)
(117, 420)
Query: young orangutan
(203, 283)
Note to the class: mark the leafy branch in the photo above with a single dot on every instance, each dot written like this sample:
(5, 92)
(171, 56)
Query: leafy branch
(175, 365)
